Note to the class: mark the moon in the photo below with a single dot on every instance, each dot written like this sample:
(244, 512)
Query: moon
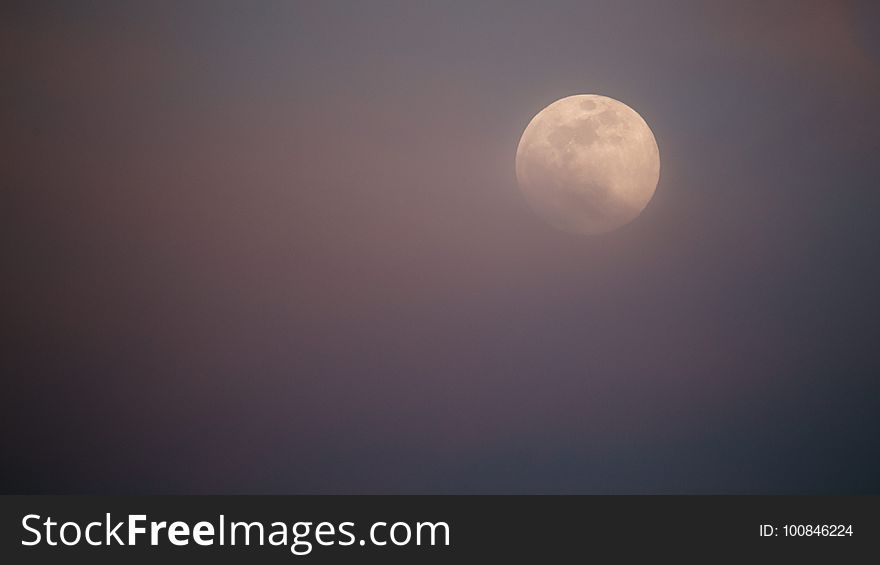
(588, 164)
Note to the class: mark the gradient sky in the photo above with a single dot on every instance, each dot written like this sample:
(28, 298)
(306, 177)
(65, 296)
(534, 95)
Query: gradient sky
(278, 247)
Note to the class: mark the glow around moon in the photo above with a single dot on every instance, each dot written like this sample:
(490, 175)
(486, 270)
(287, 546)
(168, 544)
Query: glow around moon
(588, 164)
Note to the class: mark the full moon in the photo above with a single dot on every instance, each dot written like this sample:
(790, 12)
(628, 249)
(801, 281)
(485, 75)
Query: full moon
(588, 164)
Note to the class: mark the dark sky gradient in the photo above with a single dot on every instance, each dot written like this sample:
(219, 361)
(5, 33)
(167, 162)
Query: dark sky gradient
(278, 247)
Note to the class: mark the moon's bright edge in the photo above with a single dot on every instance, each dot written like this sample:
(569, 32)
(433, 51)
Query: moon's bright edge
(588, 164)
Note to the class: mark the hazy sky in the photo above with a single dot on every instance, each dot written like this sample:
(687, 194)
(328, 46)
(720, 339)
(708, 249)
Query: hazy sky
(279, 247)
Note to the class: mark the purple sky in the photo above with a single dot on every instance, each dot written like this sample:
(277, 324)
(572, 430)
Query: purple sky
(279, 247)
